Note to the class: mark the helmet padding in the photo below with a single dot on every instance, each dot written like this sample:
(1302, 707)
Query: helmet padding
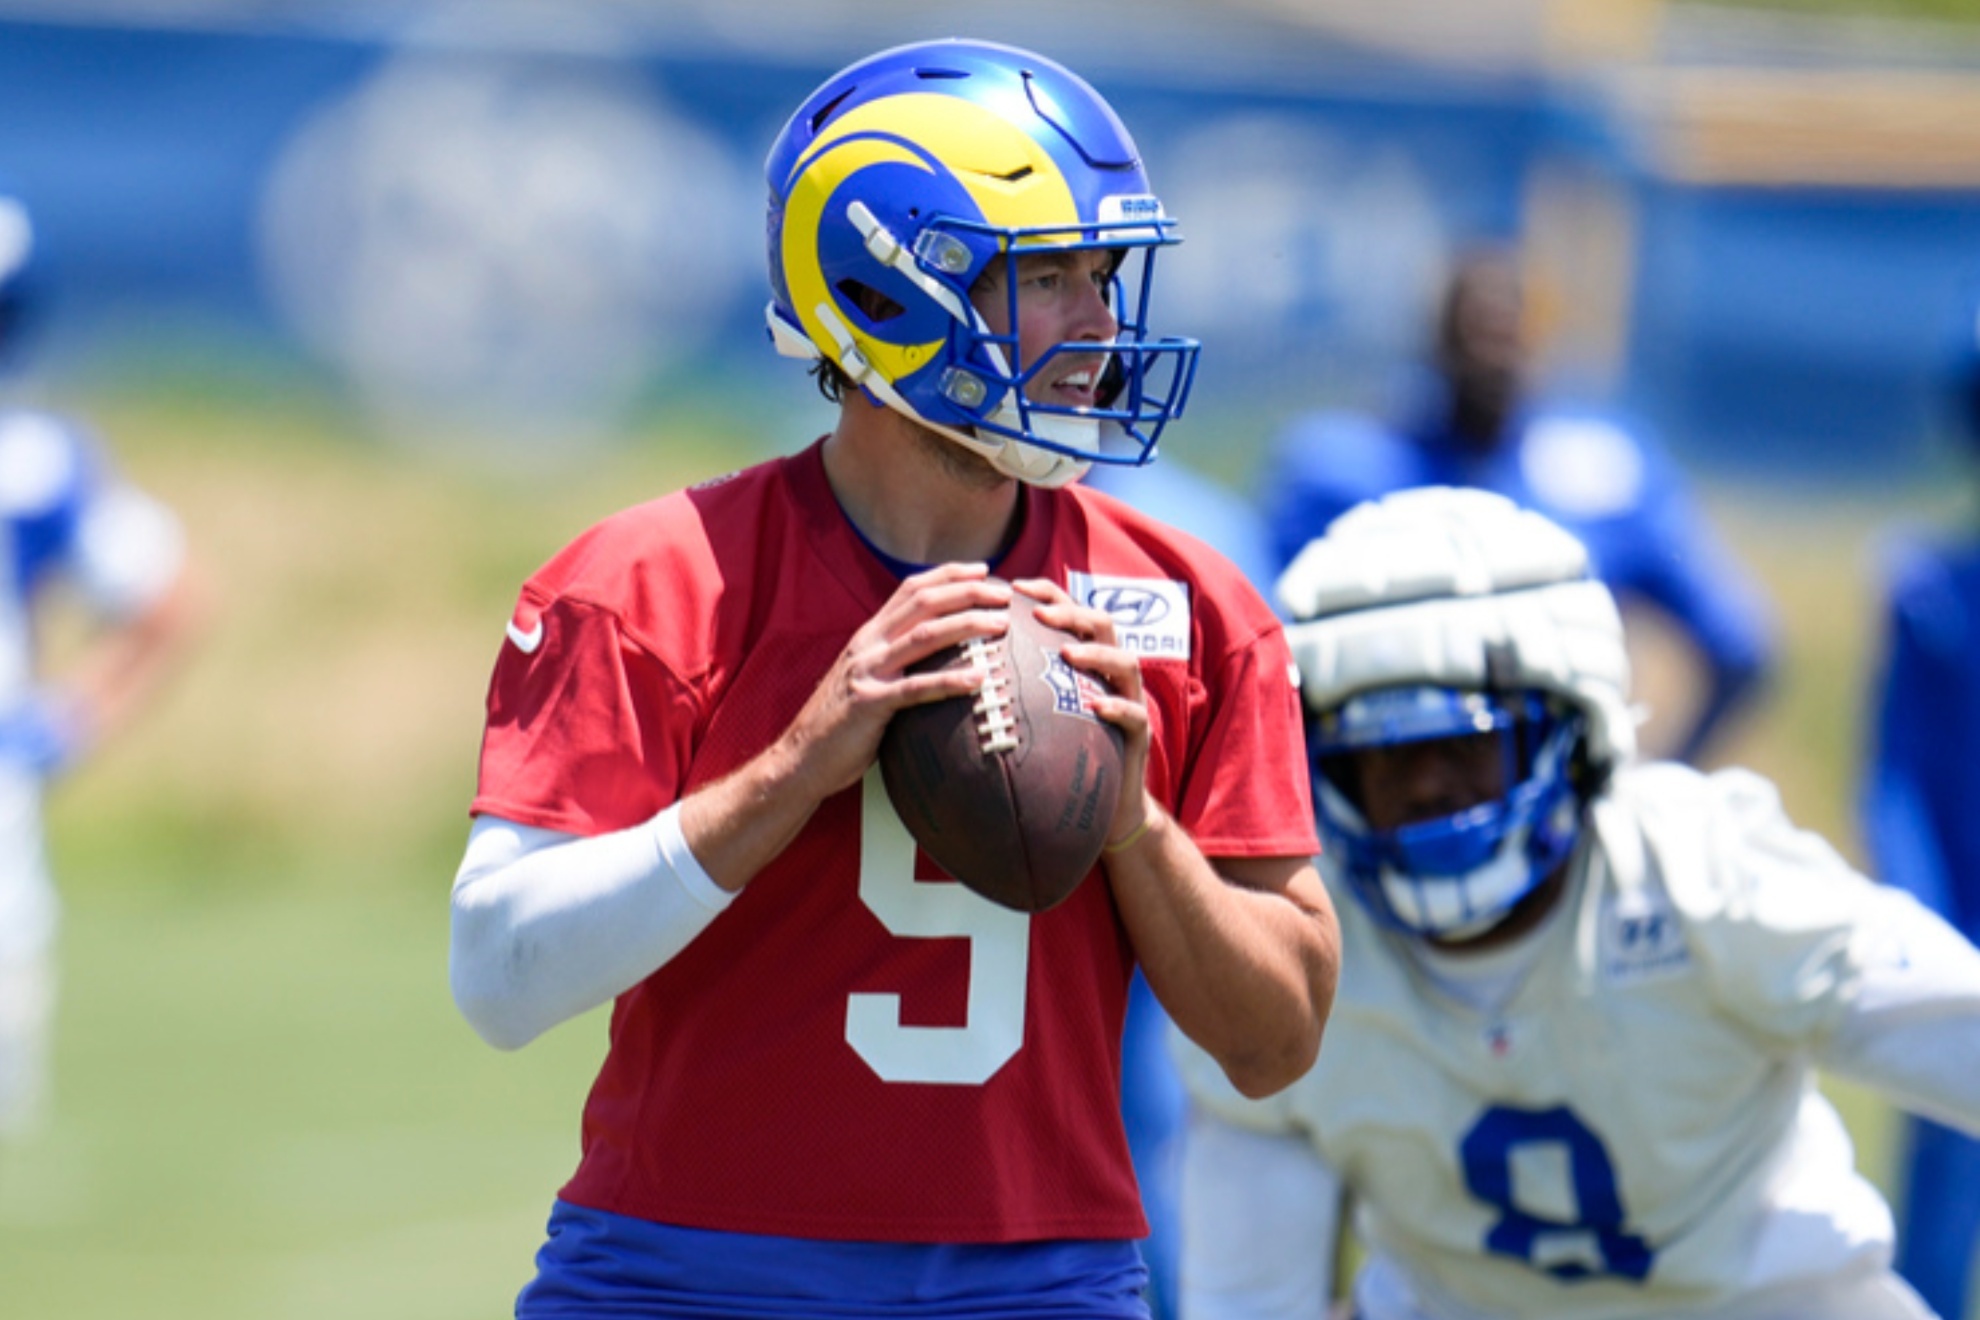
(1462, 589)
(1430, 614)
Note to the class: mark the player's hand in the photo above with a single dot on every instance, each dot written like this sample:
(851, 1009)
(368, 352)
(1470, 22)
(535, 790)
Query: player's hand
(837, 734)
(1124, 705)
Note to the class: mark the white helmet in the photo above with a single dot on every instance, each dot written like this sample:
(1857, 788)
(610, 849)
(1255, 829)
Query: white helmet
(1436, 612)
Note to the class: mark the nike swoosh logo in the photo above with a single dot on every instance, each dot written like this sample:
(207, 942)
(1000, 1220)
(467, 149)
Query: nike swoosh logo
(526, 642)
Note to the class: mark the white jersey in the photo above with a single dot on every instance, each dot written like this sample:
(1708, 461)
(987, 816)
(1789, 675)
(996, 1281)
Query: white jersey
(1619, 1119)
(63, 517)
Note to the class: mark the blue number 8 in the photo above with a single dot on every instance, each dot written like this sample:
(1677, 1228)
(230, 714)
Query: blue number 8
(1486, 1155)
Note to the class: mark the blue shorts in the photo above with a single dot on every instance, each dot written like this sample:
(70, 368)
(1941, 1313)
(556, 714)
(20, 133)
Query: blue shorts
(597, 1265)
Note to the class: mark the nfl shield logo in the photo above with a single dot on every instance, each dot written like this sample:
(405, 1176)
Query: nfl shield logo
(1072, 691)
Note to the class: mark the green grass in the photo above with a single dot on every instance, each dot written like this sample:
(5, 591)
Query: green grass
(267, 1107)
(266, 1104)
(1935, 11)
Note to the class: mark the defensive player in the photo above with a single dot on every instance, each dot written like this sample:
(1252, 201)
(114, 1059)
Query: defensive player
(1588, 470)
(1919, 791)
(839, 1084)
(65, 518)
(1570, 1069)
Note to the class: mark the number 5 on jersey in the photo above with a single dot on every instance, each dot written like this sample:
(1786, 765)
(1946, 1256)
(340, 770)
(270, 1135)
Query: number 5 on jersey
(999, 962)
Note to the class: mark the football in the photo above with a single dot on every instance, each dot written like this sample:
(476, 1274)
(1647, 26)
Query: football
(1011, 791)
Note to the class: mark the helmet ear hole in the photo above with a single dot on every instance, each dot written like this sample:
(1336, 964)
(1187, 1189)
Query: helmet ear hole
(874, 305)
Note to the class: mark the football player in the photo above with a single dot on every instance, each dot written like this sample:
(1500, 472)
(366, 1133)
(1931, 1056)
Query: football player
(1478, 423)
(1570, 1070)
(839, 1083)
(66, 517)
(1918, 796)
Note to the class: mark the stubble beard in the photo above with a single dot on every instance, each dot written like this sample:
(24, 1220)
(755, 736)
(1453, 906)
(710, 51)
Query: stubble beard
(962, 465)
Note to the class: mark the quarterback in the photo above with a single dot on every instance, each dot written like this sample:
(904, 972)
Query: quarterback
(1570, 1071)
(838, 1083)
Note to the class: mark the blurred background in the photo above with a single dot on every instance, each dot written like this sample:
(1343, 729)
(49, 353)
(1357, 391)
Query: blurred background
(390, 299)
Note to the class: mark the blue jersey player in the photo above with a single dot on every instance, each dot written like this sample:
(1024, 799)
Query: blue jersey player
(1587, 471)
(64, 516)
(1918, 795)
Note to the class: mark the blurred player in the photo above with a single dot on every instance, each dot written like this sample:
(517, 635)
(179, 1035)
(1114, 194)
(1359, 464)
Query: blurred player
(1919, 794)
(66, 521)
(1587, 470)
(1153, 1102)
(839, 1084)
(1570, 1069)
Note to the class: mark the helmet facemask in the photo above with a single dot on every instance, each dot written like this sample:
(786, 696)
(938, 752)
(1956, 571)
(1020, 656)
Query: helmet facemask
(1141, 385)
(1505, 807)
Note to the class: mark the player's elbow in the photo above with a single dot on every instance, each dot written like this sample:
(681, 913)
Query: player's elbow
(486, 970)
(1258, 1074)
(1279, 1048)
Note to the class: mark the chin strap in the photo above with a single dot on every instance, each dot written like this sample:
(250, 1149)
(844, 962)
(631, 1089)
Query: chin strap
(1031, 464)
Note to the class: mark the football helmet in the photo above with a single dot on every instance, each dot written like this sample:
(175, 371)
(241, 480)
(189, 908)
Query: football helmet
(895, 187)
(1443, 613)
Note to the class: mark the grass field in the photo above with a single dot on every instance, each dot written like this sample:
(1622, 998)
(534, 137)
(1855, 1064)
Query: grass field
(266, 1103)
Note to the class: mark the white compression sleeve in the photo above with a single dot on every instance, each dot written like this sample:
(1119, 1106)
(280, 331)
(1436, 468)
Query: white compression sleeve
(548, 925)
(1913, 1029)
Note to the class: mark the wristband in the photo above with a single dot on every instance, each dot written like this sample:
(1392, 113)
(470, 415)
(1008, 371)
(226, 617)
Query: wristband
(1133, 836)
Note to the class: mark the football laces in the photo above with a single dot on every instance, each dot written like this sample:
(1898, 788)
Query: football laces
(996, 731)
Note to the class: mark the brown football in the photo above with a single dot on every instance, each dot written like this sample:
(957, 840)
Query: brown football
(1011, 791)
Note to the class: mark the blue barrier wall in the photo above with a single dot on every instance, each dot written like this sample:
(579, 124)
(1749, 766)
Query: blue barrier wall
(583, 231)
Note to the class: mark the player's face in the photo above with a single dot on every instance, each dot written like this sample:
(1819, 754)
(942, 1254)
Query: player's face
(1419, 781)
(1062, 297)
(1485, 346)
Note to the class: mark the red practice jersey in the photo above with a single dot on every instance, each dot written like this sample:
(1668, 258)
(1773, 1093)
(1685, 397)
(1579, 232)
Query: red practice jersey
(858, 1047)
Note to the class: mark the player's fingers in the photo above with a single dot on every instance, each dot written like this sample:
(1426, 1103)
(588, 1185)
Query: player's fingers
(1130, 716)
(1067, 615)
(930, 636)
(962, 570)
(1120, 669)
(938, 588)
(937, 685)
(933, 595)
(1043, 590)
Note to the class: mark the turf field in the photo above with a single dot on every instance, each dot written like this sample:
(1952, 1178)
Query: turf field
(266, 1105)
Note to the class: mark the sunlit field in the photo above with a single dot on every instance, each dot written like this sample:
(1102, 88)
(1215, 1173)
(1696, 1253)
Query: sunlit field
(266, 1105)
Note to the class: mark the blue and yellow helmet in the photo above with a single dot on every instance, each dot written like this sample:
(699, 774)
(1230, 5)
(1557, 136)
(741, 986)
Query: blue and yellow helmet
(894, 188)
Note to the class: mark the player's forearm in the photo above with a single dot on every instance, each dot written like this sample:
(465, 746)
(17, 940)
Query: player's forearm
(124, 667)
(739, 824)
(1245, 963)
(546, 926)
